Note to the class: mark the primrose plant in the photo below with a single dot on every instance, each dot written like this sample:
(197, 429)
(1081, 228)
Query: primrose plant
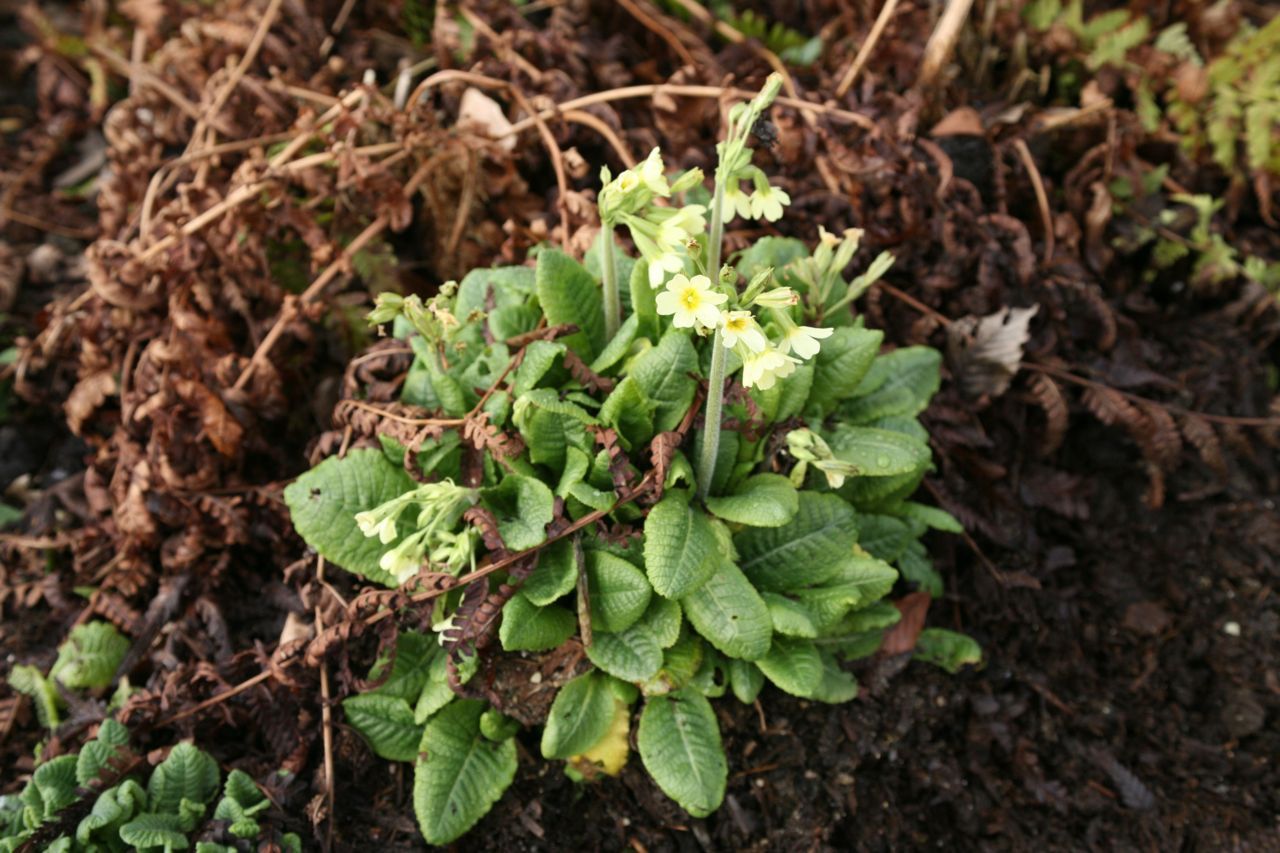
(662, 479)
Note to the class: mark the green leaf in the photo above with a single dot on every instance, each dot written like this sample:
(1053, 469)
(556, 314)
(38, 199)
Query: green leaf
(29, 681)
(841, 364)
(386, 722)
(899, 383)
(793, 665)
(775, 252)
(460, 773)
(765, 500)
(527, 627)
(619, 592)
(437, 693)
(679, 742)
(112, 806)
(504, 285)
(883, 536)
(96, 755)
(569, 294)
(187, 774)
(664, 619)
(786, 399)
(915, 566)
(644, 304)
(680, 548)
(729, 612)
(53, 786)
(947, 649)
(524, 507)
(790, 618)
(497, 726)
(90, 655)
(932, 517)
(858, 582)
(630, 412)
(680, 664)
(745, 679)
(549, 426)
(324, 501)
(807, 550)
(539, 359)
(836, 686)
(512, 320)
(556, 574)
(878, 452)
(617, 349)
(663, 375)
(414, 652)
(155, 830)
(633, 655)
(580, 716)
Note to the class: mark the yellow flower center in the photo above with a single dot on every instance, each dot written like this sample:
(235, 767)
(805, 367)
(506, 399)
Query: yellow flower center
(689, 297)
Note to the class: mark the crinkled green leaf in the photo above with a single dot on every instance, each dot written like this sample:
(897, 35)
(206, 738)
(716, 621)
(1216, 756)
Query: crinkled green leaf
(899, 383)
(878, 452)
(630, 412)
(807, 550)
(680, 663)
(460, 773)
(96, 755)
(580, 716)
(836, 686)
(790, 618)
(745, 679)
(503, 285)
(680, 549)
(162, 830)
(947, 649)
(512, 320)
(883, 536)
(765, 500)
(53, 786)
(664, 619)
(793, 665)
(524, 506)
(845, 358)
(386, 722)
(663, 375)
(631, 655)
(617, 349)
(29, 681)
(549, 426)
(437, 693)
(932, 517)
(858, 582)
(556, 574)
(539, 359)
(730, 614)
(89, 656)
(775, 252)
(915, 566)
(186, 774)
(112, 807)
(569, 294)
(526, 627)
(619, 592)
(323, 503)
(414, 652)
(679, 742)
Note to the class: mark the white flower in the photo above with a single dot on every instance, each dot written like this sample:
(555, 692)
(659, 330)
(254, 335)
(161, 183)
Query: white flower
(691, 301)
(778, 297)
(735, 202)
(661, 265)
(763, 369)
(402, 561)
(371, 525)
(650, 173)
(803, 340)
(767, 202)
(682, 224)
(738, 326)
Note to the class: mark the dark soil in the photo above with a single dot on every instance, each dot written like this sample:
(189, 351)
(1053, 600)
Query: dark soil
(1123, 557)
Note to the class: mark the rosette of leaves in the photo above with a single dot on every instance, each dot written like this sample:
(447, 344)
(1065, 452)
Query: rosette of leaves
(96, 801)
(576, 454)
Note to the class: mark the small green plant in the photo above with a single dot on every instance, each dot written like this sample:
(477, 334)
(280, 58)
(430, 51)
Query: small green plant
(168, 812)
(563, 498)
(87, 660)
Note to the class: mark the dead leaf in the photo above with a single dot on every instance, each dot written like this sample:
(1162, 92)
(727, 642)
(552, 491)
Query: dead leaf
(89, 393)
(902, 637)
(985, 352)
(486, 116)
(223, 431)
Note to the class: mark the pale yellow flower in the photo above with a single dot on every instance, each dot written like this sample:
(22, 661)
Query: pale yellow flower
(691, 302)
(763, 369)
(738, 326)
(767, 202)
(803, 340)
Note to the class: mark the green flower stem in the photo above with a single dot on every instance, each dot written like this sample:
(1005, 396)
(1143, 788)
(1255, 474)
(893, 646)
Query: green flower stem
(609, 278)
(711, 427)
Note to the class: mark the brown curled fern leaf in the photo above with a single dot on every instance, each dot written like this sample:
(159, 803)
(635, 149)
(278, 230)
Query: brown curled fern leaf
(1201, 435)
(1049, 397)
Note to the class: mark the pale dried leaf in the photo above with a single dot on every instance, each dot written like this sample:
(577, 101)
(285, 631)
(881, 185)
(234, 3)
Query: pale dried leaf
(90, 393)
(486, 116)
(985, 352)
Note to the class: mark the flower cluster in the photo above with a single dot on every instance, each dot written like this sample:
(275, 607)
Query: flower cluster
(661, 234)
(434, 539)
(692, 303)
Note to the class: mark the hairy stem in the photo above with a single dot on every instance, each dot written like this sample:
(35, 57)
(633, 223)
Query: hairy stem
(609, 278)
(711, 427)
